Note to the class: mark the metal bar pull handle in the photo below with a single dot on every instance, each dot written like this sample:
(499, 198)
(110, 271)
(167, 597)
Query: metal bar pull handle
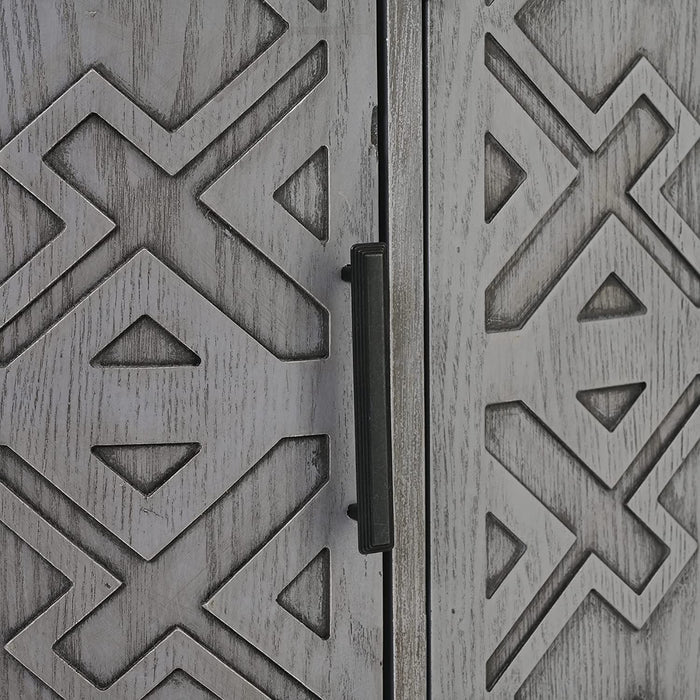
(368, 274)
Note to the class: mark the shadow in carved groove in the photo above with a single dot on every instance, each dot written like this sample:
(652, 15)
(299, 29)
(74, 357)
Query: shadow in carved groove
(145, 343)
(304, 194)
(613, 299)
(503, 551)
(610, 404)
(308, 596)
(146, 467)
(180, 686)
(502, 177)
(40, 584)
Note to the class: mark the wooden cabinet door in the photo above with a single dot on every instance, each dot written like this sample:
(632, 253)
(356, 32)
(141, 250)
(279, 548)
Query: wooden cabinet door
(564, 252)
(180, 184)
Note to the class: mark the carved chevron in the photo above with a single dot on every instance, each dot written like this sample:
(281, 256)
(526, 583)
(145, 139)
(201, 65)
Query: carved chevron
(91, 586)
(549, 172)
(269, 227)
(635, 606)
(86, 226)
(641, 81)
(256, 586)
(545, 537)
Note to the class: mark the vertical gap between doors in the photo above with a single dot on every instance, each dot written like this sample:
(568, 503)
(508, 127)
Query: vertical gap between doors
(382, 127)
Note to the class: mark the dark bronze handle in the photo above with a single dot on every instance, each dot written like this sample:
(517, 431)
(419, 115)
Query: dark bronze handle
(368, 274)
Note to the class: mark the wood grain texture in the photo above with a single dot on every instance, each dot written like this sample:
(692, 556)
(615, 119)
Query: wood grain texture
(562, 405)
(405, 236)
(159, 493)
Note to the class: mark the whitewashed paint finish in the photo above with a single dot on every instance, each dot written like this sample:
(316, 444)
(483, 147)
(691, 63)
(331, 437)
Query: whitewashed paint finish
(597, 104)
(142, 148)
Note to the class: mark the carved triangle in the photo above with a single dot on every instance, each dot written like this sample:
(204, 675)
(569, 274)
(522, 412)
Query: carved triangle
(502, 176)
(674, 495)
(609, 405)
(248, 603)
(17, 558)
(305, 194)
(146, 467)
(503, 550)
(145, 343)
(320, 5)
(180, 686)
(307, 597)
(613, 299)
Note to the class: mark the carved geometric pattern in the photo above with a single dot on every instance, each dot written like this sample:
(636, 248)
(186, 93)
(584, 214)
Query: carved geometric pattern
(305, 194)
(503, 549)
(589, 389)
(307, 596)
(610, 404)
(611, 300)
(168, 354)
(144, 286)
(519, 643)
(146, 467)
(145, 343)
(269, 227)
(502, 176)
(236, 602)
(85, 224)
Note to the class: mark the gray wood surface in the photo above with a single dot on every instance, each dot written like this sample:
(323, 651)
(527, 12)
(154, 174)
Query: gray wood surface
(180, 184)
(405, 235)
(564, 253)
